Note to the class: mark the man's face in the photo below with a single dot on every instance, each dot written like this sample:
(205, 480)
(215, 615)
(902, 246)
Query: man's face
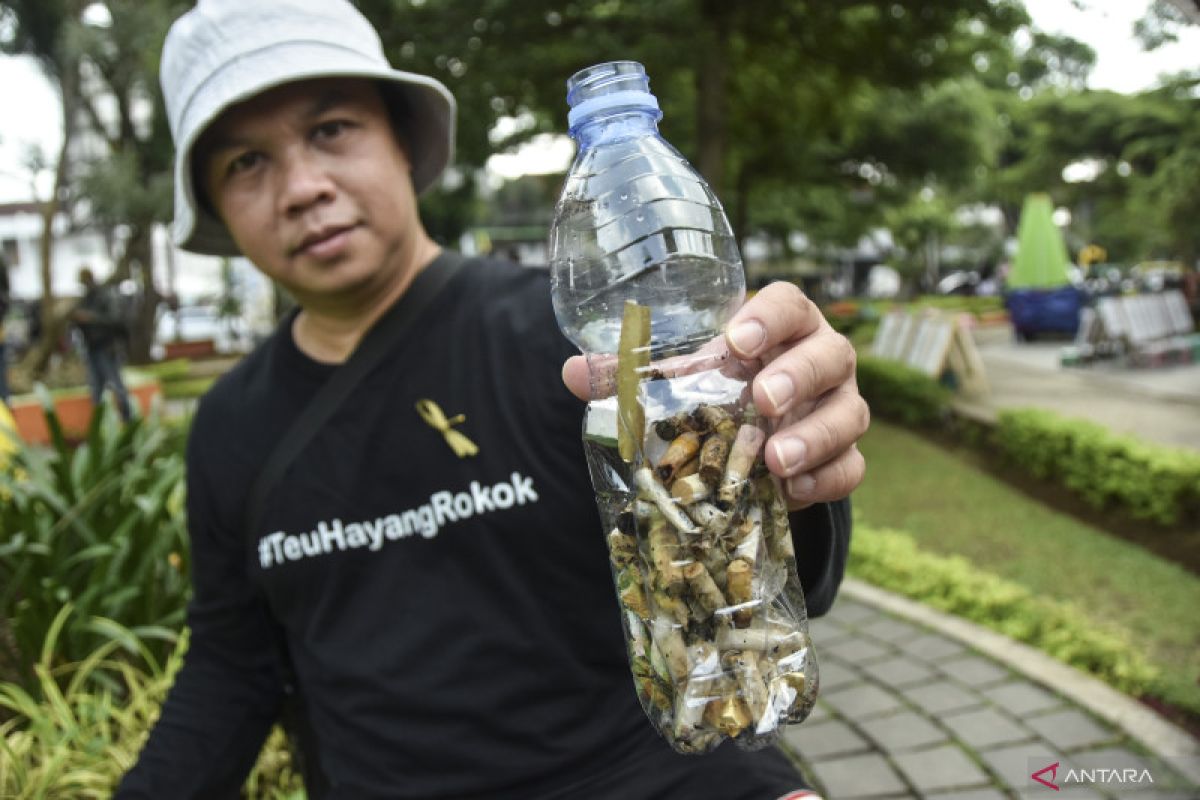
(314, 187)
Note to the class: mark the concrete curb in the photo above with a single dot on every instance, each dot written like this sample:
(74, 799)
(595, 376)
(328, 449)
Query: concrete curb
(1164, 739)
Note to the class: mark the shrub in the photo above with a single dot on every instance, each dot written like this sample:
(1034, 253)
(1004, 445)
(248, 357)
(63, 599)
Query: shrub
(166, 371)
(900, 393)
(100, 526)
(1107, 470)
(78, 735)
(971, 304)
(893, 561)
(188, 388)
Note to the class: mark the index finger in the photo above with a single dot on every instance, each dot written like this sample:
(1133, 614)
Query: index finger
(779, 313)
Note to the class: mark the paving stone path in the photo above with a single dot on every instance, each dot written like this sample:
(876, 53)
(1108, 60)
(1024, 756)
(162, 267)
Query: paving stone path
(908, 712)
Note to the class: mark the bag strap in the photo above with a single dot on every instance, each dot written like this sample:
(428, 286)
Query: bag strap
(377, 343)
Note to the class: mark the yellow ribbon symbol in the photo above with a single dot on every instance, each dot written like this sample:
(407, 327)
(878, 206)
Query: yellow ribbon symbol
(433, 415)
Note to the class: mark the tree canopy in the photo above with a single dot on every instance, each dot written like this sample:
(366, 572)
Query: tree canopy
(828, 118)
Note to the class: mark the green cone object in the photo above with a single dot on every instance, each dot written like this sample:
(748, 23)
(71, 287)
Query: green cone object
(1041, 261)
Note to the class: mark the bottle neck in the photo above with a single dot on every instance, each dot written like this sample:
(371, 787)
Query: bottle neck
(612, 125)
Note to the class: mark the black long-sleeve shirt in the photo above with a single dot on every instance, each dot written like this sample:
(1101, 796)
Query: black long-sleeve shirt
(452, 622)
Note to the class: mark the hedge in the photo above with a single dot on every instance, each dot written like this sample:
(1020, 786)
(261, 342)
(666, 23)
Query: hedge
(902, 394)
(1107, 470)
(891, 560)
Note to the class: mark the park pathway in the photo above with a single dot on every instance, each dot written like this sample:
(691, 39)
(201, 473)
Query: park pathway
(1159, 404)
(918, 704)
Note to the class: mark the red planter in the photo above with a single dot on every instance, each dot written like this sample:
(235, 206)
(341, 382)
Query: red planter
(74, 410)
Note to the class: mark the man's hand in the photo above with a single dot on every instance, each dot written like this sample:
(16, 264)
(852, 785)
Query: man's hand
(807, 386)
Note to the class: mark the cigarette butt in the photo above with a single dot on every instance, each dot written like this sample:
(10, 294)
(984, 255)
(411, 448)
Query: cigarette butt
(669, 642)
(632, 592)
(656, 493)
(683, 448)
(744, 666)
(622, 549)
(670, 428)
(712, 520)
(653, 692)
(767, 640)
(776, 525)
(729, 715)
(739, 590)
(703, 587)
(643, 509)
(742, 455)
(639, 643)
(665, 557)
(714, 453)
(689, 714)
(690, 490)
(716, 563)
(673, 606)
(707, 417)
(690, 468)
(751, 537)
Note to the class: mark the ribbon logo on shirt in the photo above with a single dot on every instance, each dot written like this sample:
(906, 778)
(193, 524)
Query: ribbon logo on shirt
(435, 418)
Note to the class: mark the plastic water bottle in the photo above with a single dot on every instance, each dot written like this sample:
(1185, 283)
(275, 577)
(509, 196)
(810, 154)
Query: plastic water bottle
(697, 530)
(636, 222)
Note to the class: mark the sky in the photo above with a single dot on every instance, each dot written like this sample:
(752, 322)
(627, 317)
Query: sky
(31, 106)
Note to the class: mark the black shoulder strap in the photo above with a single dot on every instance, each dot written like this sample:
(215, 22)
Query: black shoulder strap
(378, 341)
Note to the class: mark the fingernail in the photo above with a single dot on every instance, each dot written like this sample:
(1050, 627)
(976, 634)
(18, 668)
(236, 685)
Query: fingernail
(801, 485)
(747, 337)
(779, 390)
(790, 452)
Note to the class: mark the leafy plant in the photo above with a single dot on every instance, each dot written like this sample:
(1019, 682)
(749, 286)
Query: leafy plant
(891, 559)
(1107, 470)
(82, 730)
(99, 526)
(900, 393)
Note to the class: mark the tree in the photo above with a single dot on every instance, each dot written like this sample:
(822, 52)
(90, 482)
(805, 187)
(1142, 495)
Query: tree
(114, 167)
(41, 29)
(752, 92)
(128, 186)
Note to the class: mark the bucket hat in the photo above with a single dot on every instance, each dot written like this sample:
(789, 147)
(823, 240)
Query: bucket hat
(225, 51)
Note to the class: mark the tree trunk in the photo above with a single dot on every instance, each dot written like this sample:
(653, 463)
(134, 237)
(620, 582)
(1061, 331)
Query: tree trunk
(711, 105)
(143, 324)
(740, 216)
(137, 264)
(53, 325)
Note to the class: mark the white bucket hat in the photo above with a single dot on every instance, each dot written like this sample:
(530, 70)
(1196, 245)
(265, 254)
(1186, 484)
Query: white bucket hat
(225, 51)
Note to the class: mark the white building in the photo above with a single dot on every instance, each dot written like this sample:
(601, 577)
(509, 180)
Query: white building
(20, 242)
(195, 280)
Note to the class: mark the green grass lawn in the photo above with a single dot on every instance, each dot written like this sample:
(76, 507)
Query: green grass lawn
(951, 507)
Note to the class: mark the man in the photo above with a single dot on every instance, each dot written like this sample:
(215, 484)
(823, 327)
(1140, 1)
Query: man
(450, 620)
(98, 318)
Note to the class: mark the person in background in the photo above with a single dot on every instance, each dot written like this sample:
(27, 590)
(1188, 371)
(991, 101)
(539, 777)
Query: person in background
(474, 650)
(101, 324)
